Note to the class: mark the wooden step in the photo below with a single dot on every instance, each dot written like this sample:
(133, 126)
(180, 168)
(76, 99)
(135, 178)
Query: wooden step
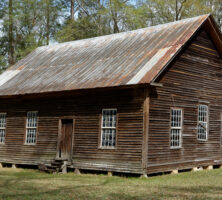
(56, 166)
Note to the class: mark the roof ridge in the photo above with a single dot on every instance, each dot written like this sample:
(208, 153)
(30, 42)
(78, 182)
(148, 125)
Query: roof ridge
(126, 32)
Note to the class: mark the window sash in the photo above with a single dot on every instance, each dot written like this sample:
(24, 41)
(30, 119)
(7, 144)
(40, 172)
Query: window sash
(108, 138)
(176, 123)
(31, 127)
(175, 138)
(2, 136)
(31, 135)
(108, 128)
(31, 119)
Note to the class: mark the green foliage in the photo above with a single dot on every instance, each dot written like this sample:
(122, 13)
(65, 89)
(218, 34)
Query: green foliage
(29, 27)
(171, 10)
(79, 29)
(3, 5)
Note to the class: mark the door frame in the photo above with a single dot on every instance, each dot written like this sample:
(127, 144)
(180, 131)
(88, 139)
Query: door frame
(60, 134)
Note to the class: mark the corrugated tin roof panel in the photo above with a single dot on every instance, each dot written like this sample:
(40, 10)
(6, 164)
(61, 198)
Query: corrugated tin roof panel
(119, 59)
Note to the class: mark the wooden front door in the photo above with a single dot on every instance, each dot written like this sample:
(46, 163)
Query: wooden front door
(65, 143)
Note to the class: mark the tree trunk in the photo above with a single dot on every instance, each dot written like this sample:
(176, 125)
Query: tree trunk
(47, 21)
(179, 10)
(115, 27)
(100, 27)
(10, 34)
(176, 18)
(114, 18)
(72, 11)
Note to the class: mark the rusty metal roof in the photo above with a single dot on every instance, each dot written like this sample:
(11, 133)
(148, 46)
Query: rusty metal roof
(127, 58)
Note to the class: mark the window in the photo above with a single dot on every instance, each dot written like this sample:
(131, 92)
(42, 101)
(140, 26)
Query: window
(202, 122)
(176, 128)
(2, 127)
(108, 133)
(31, 127)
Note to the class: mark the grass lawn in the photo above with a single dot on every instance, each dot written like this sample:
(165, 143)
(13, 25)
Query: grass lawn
(31, 184)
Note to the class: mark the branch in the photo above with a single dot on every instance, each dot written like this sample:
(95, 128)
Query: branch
(87, 13)
(181, 7)
(82, 7)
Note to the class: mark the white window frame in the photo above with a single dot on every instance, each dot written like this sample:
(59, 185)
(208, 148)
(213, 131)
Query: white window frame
(3, 128)
(29, 127)
(105, 128)
(202, 122)
(180, 128)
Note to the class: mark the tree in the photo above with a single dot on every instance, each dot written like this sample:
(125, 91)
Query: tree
(97, 17)
(72, 10)
(10, 33)
(27, 24)
(163, 11)
(3, 6)
(88, 23)
(216, 10)
(119, 13)
(51, 12)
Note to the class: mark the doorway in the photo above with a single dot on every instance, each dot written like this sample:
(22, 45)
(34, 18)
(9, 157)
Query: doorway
(65, 139)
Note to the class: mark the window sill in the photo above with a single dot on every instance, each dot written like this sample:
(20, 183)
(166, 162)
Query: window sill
(199, 140)
(107, 149)
(30, 144)
(175, 148)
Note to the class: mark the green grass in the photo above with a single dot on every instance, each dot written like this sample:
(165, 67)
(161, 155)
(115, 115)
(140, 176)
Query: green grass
(31, 184)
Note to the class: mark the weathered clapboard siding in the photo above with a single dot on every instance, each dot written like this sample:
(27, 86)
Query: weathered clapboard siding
(194, 78)
(127, 156)
(86, 108)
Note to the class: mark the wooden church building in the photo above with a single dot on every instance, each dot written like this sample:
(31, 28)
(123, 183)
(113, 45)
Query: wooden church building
(142, 102)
